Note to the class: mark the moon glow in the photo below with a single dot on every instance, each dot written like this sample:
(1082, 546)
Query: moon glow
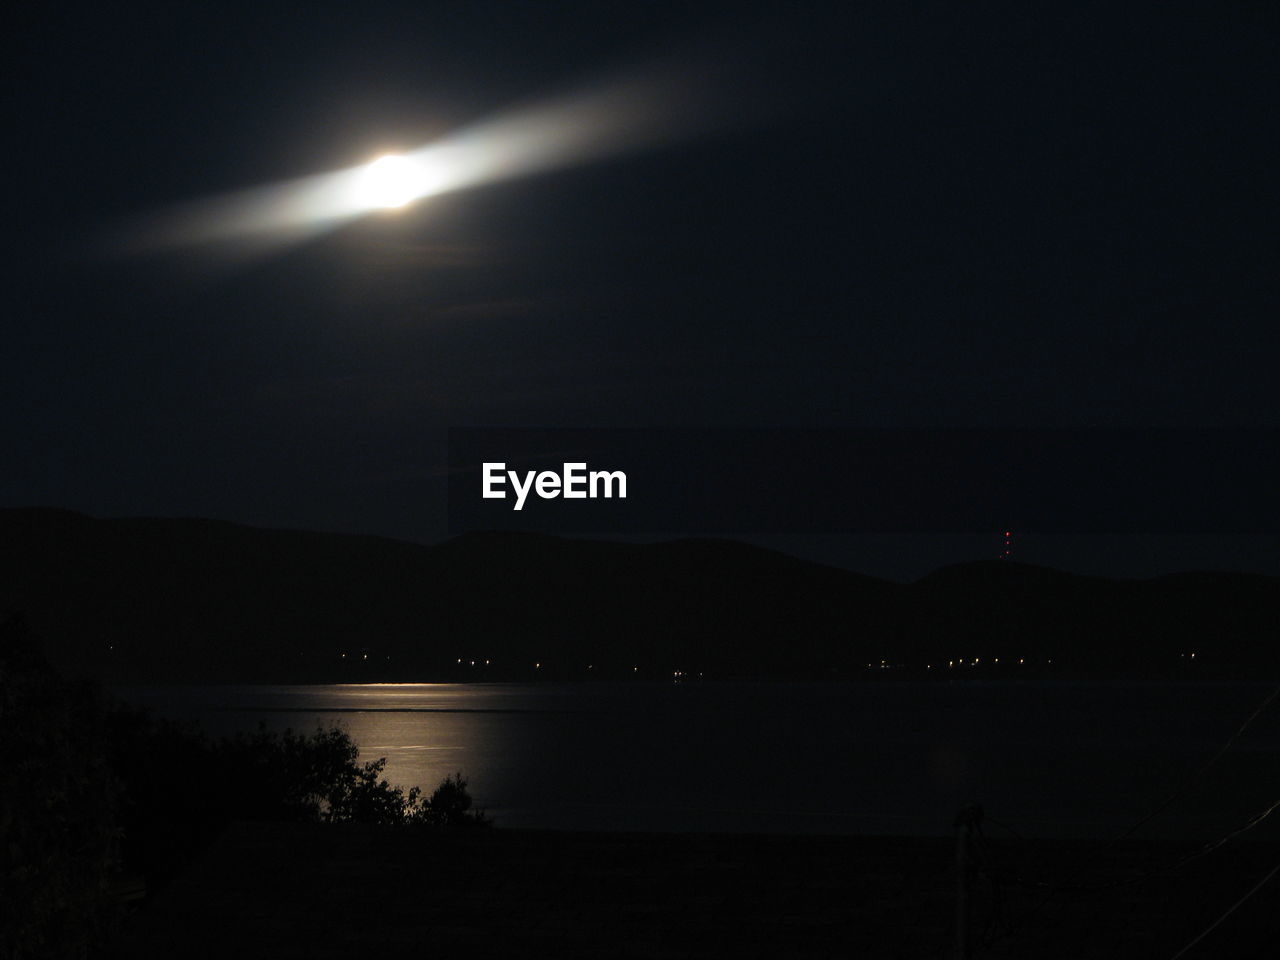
(390, 182)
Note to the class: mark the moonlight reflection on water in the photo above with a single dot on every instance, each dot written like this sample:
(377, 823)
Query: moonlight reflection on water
(1052, 759)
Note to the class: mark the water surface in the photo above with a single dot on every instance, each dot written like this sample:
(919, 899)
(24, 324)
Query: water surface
(1048, 759)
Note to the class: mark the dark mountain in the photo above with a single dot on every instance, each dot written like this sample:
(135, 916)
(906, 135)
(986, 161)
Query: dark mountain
(187, 599)
(1230, 622)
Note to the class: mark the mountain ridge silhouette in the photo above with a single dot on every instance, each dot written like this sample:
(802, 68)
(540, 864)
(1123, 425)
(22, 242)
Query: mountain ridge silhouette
(191, 599)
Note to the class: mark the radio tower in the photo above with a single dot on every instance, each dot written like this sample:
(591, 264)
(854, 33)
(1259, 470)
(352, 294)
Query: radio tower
(1007, 552)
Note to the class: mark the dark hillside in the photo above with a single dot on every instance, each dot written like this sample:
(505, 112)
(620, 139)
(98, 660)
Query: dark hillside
(187, 599)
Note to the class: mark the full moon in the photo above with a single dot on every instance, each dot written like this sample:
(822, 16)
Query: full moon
(391, 181)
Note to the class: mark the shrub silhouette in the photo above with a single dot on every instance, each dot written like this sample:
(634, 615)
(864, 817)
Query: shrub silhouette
(312, 778)
(89, 791)
(58, 800)
(269, 775)
(450, 806)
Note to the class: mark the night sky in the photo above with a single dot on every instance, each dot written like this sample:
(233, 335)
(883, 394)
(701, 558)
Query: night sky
(897, 215)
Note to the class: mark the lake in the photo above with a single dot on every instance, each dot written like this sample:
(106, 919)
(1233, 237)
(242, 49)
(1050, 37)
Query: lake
(1048, 759)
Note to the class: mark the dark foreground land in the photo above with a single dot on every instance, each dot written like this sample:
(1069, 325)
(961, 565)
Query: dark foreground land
(308, 891)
